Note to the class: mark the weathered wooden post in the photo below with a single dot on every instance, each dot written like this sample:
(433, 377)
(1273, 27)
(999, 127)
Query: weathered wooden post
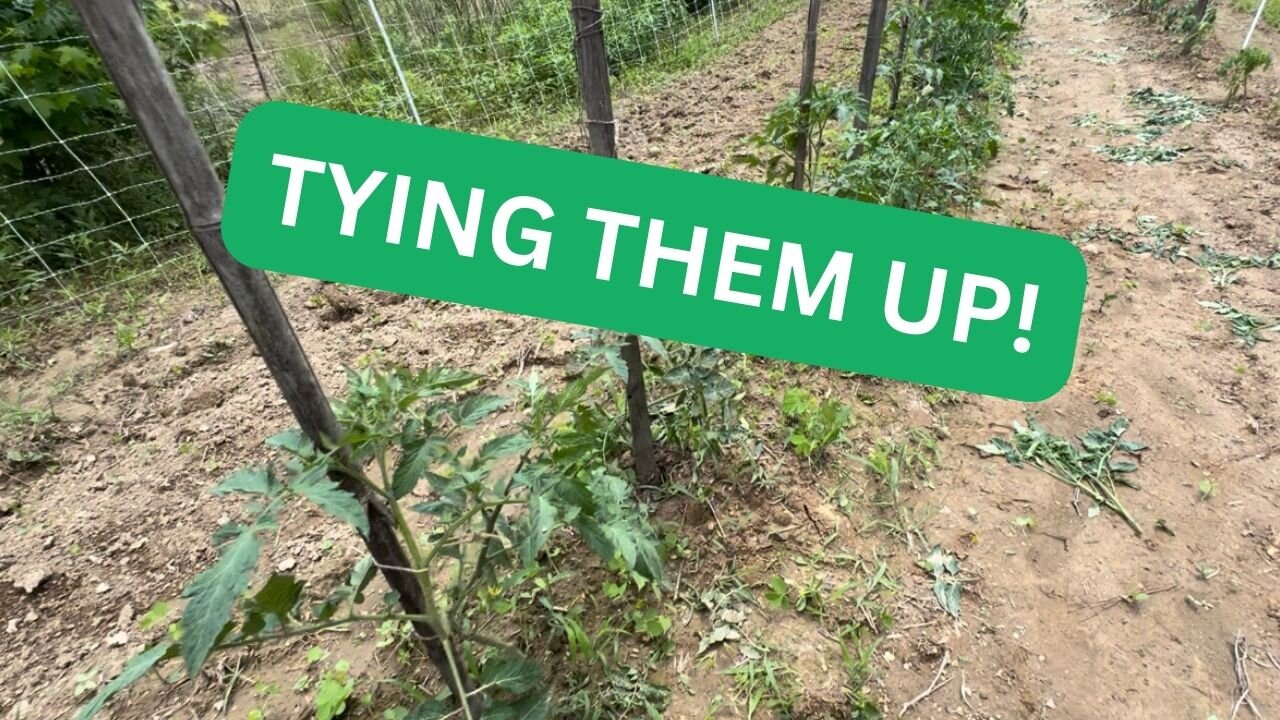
(593, 76)
(904, 37)
(871, 60)
(597, 105)
(119, 33)
(806, 88)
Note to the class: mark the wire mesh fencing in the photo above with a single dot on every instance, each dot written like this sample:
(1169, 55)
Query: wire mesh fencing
(85, 214)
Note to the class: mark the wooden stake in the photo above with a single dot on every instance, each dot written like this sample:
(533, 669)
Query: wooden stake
(119, 33)
(871, 60)
(597, 105)
(904, 35)
(806, 89)
(642, 450)
(593, 76)
(253, 50)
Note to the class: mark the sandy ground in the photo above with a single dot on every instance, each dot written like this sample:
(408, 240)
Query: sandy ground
(123, 517)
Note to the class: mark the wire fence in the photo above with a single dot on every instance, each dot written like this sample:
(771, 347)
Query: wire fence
(84, 212)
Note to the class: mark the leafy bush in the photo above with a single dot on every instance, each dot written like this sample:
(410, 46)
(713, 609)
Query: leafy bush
(67, 95)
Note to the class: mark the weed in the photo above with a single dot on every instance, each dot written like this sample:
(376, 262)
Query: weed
(777, 593)
(1245, 326)
(764, 683)
(1237, 68)
(1106, 397)
(1091, 467)
(86, 682)
(945, 569)
(857, 663)
(814, 425)
(1207, 488)
(890, 462)
(1207, 571)
(27, 434)
(126, 339)
(1136, 597)
(333, 690)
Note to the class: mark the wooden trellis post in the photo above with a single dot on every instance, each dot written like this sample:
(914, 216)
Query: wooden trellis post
(871, 60)
(119, 33)
(904, 37)
(806, 88)
(253, 50)
(597, 105)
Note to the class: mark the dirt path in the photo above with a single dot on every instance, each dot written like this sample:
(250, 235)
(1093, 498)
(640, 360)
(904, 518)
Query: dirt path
(1049, 638)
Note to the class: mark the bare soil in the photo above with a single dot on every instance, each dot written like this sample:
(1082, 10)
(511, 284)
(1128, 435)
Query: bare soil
(123, 517)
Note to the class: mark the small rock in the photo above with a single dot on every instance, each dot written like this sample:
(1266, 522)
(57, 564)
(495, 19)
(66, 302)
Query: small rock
(32, 579)
(286, 564)
(341, 304)
(118, 639)
(8, 505)
(102, 588)
(12, 627)
(127, 379)
(199, 399)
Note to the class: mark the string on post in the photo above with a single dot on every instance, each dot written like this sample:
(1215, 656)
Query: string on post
(1262, 5)
(395, 62)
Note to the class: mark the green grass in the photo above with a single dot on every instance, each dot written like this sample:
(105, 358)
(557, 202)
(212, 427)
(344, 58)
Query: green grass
(1271, 14)
(86, 301)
